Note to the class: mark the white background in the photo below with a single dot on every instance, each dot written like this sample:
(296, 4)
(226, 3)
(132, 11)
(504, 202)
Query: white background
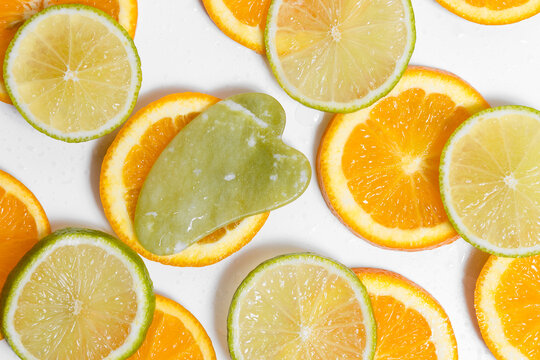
(182, 50)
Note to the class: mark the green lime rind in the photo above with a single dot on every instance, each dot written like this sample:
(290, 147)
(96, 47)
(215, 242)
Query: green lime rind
(232, 328)
(22, 271)
(35, 124)
(445, 196)
(327, 106)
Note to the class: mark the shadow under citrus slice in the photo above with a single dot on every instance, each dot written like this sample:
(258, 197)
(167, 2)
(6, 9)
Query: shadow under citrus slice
(129, 160)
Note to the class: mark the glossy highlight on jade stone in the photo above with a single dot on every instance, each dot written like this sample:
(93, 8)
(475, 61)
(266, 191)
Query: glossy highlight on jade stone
(226, 164)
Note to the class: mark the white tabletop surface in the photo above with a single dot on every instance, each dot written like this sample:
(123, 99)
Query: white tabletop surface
(182, 50)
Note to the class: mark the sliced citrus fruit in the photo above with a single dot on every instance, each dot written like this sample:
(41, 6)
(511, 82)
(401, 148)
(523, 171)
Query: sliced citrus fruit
(13, 13)
(379, 167)
(507, 299)
(128, 162)
(490, 180)
(411, 324)
(339, 56)
(63, 87)
(301, 307)
(22, 223)
(78, 294)
(493, 12)
(174, 334)
(241, 20)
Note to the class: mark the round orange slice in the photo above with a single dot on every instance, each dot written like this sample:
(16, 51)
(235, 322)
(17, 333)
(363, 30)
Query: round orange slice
(129, 160)
(22, 223)
(493, 12)
(411, 324)
(174, 334)
(13, 13)
(507, 302)
(379, 167)
(241, 20)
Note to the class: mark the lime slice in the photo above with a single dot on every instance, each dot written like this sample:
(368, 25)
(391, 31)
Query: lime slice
(490, 180)
(78, 294)
(73, 72)
(339, 56)
(301, 307)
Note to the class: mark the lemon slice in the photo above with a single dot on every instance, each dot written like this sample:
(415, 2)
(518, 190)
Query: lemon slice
(301, 307)
(73, 72)
(78, 294)
(490, 180)
(339, 56)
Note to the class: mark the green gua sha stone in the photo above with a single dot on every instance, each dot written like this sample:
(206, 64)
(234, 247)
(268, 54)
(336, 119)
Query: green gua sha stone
(226, 164)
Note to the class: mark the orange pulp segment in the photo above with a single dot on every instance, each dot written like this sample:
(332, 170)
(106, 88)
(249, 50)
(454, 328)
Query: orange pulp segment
(507, 299)
(411, 324)
(22, 223)
(174, 334)
(241, 20)
(249, 12)
(379, 167)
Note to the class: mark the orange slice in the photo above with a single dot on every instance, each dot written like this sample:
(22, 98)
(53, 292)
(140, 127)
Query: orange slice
(411, 324)
(379, 167)
(493, 12)
(241, 20)
(13, 13)
(507, 302)
(174, 334)
(22, 223)
(129, 160)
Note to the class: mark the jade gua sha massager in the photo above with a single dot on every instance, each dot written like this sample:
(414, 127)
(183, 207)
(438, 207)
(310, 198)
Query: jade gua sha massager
(226, 164)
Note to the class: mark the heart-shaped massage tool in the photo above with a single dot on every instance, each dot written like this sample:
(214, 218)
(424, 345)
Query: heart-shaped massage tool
(226, 164)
